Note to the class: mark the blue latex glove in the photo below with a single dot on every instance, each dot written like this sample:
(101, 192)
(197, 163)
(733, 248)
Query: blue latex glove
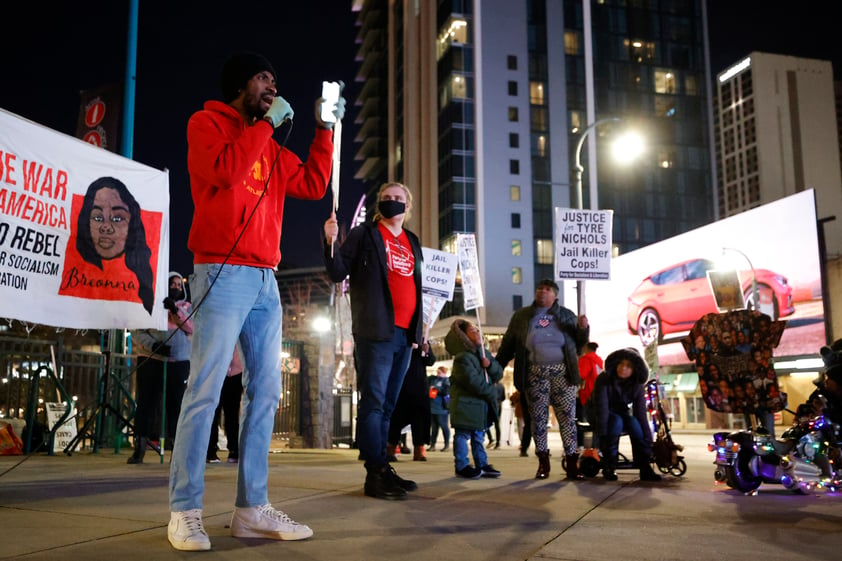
(279, 112)
(338, 110)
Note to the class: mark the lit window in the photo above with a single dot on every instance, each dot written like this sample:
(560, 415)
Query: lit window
(459, 88)
(517, 275)
(664, 81)
(516, 247)
(571, 42)
(453, 31)
(575, 121)
(544, 251)
(514, 192)
(540, 148)
(640, 51)
(536, 93)
(538, 118)
(513, 116)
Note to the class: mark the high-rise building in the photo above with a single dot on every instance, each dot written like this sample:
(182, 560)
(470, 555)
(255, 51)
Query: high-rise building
(776, 135)
(486, 100)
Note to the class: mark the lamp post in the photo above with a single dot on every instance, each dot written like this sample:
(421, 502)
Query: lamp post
(578, 168)
(754, 295)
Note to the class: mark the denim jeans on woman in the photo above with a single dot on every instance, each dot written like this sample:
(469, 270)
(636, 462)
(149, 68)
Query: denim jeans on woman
(243, 305)
(382, 366)
(619, 424)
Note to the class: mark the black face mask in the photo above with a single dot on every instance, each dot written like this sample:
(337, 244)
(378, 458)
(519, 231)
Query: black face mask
(390, 209)
(176, 294)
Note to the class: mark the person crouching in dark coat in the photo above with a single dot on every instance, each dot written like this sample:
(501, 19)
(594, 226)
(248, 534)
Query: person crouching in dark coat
(472, 398)
(621, 384)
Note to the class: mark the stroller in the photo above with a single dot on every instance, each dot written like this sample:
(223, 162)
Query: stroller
(665, 452)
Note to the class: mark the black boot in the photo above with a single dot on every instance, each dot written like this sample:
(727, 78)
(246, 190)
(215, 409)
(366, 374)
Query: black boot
(609, 446)
(642, 459)
(543, 465)
(571, 465)
(381, 484)
(648, 474)
(139, 450)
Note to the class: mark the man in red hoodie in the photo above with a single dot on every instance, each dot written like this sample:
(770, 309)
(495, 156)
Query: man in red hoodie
(239, 179)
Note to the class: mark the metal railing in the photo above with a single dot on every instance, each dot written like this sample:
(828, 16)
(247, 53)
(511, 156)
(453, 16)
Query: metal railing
(25, 388)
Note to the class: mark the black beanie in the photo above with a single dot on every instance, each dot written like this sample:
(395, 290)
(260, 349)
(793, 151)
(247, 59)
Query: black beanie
(238, 70)
(550, 283)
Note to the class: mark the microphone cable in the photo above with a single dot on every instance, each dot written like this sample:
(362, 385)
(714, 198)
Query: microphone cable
(195, 308)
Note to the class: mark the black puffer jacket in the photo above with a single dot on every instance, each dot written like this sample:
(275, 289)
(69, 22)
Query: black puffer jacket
(473, 398)
(611, 394)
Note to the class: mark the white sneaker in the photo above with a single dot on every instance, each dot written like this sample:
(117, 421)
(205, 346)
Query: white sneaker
(186, 532)
(264, 521)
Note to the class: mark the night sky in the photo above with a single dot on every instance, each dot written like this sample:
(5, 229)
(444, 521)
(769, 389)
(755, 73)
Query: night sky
(59, 48)
(64, 47)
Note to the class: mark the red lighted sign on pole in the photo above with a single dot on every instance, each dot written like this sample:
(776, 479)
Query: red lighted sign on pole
(99, 116)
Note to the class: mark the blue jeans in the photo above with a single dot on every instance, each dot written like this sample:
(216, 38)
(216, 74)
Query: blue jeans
(243, 305)
(382, 366)
(439, 421)
(460, 448)
(618, 424)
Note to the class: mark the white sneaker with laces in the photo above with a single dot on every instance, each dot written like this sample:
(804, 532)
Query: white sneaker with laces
(186, 531)
(264, 521)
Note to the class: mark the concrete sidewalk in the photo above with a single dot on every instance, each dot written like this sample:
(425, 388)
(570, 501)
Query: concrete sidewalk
(94, 506)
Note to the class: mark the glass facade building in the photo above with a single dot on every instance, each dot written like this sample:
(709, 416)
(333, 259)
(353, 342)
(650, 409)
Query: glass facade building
(515, 83)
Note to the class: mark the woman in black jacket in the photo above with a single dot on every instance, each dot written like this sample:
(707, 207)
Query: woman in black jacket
(544, 339)
(618, 405)
(383, 263)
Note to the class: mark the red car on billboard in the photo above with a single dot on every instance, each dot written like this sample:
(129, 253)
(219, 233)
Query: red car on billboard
(672, 299)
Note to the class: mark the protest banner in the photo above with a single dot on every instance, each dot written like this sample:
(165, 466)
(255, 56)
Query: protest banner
(438, 283)
(583, 244)
(466, 251)
(84, 233)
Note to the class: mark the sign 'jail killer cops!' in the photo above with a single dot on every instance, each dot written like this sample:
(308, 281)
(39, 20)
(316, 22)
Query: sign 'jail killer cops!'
(583, 244)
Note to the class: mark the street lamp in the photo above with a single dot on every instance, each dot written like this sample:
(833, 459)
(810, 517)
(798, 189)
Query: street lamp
(579, 168)
(754, 295)
(628, 148)
(321, 324)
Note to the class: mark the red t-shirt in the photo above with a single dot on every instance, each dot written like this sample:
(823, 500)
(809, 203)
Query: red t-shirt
(400, 263)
